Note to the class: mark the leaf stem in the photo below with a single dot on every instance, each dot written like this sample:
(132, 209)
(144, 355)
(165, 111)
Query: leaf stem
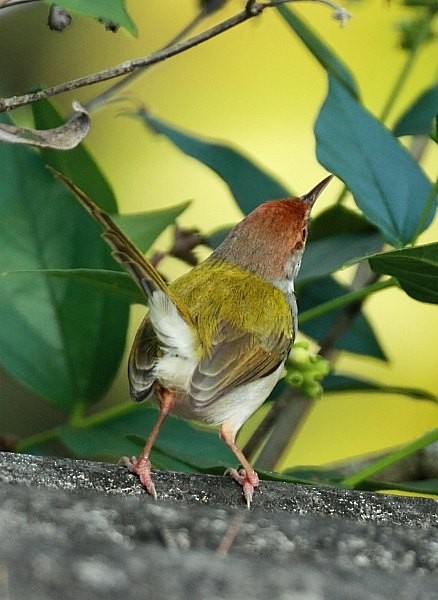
(36, 440)
(341, 301)
(404, 73)
(105, 415)
(430, 200)
(390, 459)
(400, 81)
(78, 421)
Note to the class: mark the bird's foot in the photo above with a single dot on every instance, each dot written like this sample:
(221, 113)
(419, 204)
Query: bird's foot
(248, 480)
(142, 468)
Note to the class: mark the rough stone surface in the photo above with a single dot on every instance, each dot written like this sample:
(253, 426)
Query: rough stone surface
(75, 529)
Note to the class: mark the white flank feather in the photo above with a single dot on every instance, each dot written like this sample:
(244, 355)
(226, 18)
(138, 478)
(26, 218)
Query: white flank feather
(239, 404)
(175, 368)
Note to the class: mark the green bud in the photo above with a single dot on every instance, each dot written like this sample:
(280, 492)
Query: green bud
(313, 391)
(295, 378)
(299, 355)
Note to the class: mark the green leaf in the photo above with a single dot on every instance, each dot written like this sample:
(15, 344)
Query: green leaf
(249, 184)
(346, 383)
(336, 250)
(424, 486)
(359, 337)
(99, 440)
(115, 283)
(113, 10)
(340, 235)
(178, 438)
(418, 119)
(323, 54)
(182, 462)
(216, 237)
(77, 164)
(179, 445)
(315, 474)
(391, 458)
(416, 270)
(54, 338)
(144, 228)
(337, 220)
(387, 184)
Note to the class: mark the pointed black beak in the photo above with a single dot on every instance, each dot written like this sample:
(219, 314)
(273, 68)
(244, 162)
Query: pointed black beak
(311, 196)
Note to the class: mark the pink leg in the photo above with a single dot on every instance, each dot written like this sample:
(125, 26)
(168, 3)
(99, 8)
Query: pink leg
(141, 466)
(246, 477)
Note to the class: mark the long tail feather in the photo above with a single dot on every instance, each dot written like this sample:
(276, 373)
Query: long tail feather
(141, 270)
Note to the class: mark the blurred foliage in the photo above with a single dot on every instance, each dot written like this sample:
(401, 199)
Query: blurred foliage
(65, 303)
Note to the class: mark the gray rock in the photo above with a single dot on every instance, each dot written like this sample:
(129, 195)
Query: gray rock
(75, 529)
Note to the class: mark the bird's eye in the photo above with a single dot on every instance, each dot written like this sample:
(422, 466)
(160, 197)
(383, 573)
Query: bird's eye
(304, 234)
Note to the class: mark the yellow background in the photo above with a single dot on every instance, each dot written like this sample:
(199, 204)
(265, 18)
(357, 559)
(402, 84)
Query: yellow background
(259, 89)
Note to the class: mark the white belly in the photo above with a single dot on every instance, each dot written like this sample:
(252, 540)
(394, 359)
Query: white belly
(235, 407)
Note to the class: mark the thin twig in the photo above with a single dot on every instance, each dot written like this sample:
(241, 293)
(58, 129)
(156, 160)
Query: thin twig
(252, 9)
(129, 66)
(103, 98)
(11, 3)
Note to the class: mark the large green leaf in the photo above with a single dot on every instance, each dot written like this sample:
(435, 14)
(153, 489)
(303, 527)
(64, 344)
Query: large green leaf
(423, 486)
(109, 10)
(391, 458)
(337, 250)
(200, 449)
(144, 228)
(77, 164)
(340, 236)
(179, 445)
(61, 342)
(416, 270)
(114, 283)
(418, 119)
(323, 54)
(337, 220)
(387, 184)
(346, 383)
(359, 338)
(98, 440)
(249, 184)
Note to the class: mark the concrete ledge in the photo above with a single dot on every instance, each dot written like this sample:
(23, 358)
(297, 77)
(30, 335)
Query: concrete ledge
(75, 529)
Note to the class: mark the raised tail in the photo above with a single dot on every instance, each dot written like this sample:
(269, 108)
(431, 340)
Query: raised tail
(132, 260)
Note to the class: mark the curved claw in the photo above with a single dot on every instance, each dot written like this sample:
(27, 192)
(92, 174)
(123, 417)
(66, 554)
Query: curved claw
(142, 468)
(248, 481)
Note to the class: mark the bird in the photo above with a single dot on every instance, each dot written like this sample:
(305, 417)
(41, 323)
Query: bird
(214, 342)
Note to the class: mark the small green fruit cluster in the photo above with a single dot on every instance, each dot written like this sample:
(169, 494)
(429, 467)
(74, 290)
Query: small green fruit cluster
(305, 370)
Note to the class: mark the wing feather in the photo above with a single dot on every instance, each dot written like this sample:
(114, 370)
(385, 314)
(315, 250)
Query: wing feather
(236, 358)
(141, 270)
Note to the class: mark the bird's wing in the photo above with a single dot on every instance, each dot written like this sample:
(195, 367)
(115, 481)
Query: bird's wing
(132, 260)
(236, 358)
(142, 360)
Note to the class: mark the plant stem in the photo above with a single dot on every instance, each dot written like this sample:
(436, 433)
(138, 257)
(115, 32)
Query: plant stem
(404, 73)
(107, 94)
(400, 81)
(76, 420)
(430, 200)
(390, 459)
(251, 10)
(39, 438)
(105, 415)
(341, 301)
(395, 92)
